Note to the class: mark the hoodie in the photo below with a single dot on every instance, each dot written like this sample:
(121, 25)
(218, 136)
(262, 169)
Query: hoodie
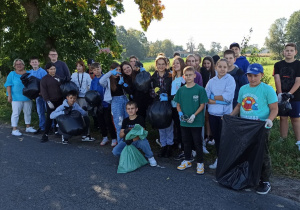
(242, 63)
(60, 110)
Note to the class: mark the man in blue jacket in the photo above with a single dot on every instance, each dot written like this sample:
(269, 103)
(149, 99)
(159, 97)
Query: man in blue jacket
(241, 61)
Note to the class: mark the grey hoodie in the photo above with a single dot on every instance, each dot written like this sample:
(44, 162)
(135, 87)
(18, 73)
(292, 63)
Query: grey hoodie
(60, 110)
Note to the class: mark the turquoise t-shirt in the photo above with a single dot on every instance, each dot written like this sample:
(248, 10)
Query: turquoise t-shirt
(13, 80)
(255, 101)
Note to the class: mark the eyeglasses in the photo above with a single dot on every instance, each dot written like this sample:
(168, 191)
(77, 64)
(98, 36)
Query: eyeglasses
(52, 54)
(19, 64)
(188, 75)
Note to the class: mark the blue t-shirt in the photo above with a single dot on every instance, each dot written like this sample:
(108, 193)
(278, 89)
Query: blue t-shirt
(13, 80)
(40, 73)
(255, 101)
(95, 85)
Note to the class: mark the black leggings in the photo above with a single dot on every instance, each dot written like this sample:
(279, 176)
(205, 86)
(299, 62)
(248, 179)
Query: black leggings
(106, 122)
(215, 123)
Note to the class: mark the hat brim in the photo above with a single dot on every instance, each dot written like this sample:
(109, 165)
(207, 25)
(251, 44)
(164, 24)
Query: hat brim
(253, 72)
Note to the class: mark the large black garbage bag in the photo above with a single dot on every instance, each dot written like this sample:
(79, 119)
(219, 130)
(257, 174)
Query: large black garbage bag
(93, 98)
(31, 86)
(67, 87)
(24, 78)
(285, 106)
(241, 152)
(142, 81)
(72, 124)
(159, 114)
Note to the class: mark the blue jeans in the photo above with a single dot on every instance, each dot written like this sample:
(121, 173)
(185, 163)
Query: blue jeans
(166, 135)
(41, 109)
(118, 110)
(140, 144)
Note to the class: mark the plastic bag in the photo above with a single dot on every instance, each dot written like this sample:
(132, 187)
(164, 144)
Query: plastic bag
(142, 81)
(285, 106)
(67, 87)
(32, 87)
(241, 152)
(72, 124)
(137, 131)
(159, 114)
(130, 159)
(93, 98)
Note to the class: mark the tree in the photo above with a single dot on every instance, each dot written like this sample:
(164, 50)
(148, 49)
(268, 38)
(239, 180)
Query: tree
(293, 29)
(277, 37)
(167, 47)
(215, 48)
(201, 49)
(154, 48)
(191, 45)
(178, 48)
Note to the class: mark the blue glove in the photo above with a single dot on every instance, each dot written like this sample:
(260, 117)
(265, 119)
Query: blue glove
(180, 114)
(125, 85)
(221, 102)
(212, 96)
(142, 69)
(121, 81)
(163, 97)
(115, 72)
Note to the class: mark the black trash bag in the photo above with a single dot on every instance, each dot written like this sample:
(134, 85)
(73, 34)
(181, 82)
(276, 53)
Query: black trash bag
(67, 87)
(159, 114)
(24, 78)
(241, 152)
(142, 81)
(72, 124)
(285, 106)
(93, 98)
(32, 87)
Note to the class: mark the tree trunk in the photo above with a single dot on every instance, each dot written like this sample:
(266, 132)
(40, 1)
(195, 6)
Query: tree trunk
(32, 11)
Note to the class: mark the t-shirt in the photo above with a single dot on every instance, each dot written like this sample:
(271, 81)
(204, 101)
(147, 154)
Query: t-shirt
(255, 101)
(13, 80)
(127, 123)
(190, 100)
(176, 84)
(288, 73)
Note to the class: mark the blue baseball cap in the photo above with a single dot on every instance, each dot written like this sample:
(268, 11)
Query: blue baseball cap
(255, 68)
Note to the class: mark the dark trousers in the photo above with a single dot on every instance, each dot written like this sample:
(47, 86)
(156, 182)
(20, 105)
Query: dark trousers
(266, 167)
(177, 129)
(85, 131)
(49, 111)
(215, 123)
(190, 136)
(106, 122)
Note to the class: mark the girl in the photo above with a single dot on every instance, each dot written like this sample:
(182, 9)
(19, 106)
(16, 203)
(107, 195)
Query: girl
(197, 62)
(115, 95)
(191, 61)
(82, 81)
(220, 92)
(14, 87)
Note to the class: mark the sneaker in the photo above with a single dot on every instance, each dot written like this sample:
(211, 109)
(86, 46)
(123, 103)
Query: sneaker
(214, 166)
(152, 161)
(44, 138)
(158, 142)
(57, 134)
(200, 168)
(211, 142)
(63, 140)
(87, 138)
(38, 131)
(30, 130)
(263, 188)
(298, 144)
(16, 133)
(184, 164)
(205, 151)
(104, 141)
(114, 142)
(180, 156)
(194, 153)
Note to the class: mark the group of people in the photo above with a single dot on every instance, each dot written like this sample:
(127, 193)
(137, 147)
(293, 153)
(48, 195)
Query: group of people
(199, 97)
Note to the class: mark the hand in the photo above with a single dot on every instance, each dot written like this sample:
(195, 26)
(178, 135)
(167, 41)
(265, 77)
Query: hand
(180, 115)
(125, 85)
(268, 124)
(68, 110)
(121, 81)
(115, 72)
(142, 69)
(128, 142)
(51, 106)
(163, 97)
(221, 102)
(279, 97)
(191, 119)
(212, 96)
(9, 99)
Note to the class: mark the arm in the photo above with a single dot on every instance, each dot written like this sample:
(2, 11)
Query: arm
(78, 108)
(122, 134)
(104, 80)
(236, 110)
(178, 107)
(277, 83)
(88, 81)
(228, 93)
(273, 111)
(295, 86)
(66, 70)
(58, 111)
(44, 92)
(201, 107)
(9, 97)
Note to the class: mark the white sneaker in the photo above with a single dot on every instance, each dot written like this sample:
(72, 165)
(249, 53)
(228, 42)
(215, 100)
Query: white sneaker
(104, 141)
(114, 142)
(214, 166)
(87, 138)
(16, 133)
(152, 161)
(205, 151)
(30, 130)
(212, 142)
(200, 168)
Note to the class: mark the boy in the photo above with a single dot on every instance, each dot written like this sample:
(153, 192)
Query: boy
(69, 104)
(264, 107)
(62, 69)
(127, 125)
(241, 61)
(103, 117)
(39, 73)
(237, 73)
(191, 99)
(287, 80)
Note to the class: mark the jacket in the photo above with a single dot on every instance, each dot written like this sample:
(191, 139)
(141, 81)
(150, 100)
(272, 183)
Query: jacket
(60, 110)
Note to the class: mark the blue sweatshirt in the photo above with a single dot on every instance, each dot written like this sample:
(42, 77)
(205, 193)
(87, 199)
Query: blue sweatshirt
(60, 110)
(40, 73)
(242, 63)
(95, 85)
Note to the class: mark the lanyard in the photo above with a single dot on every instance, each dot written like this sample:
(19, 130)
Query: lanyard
(80, 84)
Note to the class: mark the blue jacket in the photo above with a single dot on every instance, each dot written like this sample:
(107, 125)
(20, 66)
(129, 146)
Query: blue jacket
(242, 63)
(40, 73)
(60, 110)
(95, 85)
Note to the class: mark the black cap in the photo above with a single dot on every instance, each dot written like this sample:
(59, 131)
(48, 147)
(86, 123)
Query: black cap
(215, 58)
(90, 61)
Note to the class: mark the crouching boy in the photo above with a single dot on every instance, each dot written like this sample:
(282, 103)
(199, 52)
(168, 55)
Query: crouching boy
(67, 106)
(127, 125)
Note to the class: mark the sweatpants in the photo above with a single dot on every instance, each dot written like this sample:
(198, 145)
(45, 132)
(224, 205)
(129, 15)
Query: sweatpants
(192, 136)
(17, 107)
(118, 110)
(166, 135)
(104, 118)
(215, 123)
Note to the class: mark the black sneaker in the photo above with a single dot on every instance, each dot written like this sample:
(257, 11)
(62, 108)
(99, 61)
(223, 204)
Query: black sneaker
(44, 138)
(64, 141)
(180, 156)
(263, 188)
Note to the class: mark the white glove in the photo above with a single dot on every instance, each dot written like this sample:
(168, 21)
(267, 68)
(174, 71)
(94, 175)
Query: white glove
(279, 97)
(51, 106)
(268, 124)
(191, 119)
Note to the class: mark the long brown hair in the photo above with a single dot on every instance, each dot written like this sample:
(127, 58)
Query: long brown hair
(212, 66)
(128, 78)
(182, 66)
(113, 81)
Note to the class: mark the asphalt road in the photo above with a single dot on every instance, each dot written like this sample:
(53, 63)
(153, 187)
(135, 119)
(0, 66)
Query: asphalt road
(50, 175)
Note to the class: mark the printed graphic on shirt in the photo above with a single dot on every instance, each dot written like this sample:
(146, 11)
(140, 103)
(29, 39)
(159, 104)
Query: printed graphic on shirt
(249, 104)
(287, 77)
(195, 98)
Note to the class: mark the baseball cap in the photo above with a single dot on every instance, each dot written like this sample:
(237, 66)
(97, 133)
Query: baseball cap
(90, 61)
(255, 68)
(234, 44)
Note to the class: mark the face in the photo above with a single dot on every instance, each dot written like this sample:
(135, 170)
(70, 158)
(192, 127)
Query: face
(131, 110)
(79, 68)
(222, 69)
(206, 64)
(34, 63)
(289, 52)
(254, 79)
(197, 61)
(236, 51)
(189, 76)
(132, 62)
(71, 100)
(191, 61)
(97, 71)
(127, 69)
(19, 66)
(176, 65)
(52, 71)
(161, 65)
(53, 56)
(230, 59)
(119, 70)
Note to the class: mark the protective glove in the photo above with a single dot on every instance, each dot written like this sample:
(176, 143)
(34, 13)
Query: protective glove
(51, 106)
(156, 89)
(142, 69)
(286, 96)
(121, 81)
(191, 119)
(125, 85)
(68, 110)
(221, 102)
(212, 96)
(163, 97)
(115, 72)
(126, 131)
(180, 115)
(128, 142)
(279, 97)
(268, 124)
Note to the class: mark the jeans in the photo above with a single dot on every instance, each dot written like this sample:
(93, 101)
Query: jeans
(140, 144)
(118, 110)
(191, 136)
(166, 135)
(215, 123)
(41, 109)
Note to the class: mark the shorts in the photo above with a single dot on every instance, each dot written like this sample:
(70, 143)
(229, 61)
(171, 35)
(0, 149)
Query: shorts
(295, 112)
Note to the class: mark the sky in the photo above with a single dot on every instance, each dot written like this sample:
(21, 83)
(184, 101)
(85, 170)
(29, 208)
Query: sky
(206, 21)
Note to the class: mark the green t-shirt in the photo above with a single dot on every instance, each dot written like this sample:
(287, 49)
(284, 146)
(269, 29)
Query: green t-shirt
(190, 100)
